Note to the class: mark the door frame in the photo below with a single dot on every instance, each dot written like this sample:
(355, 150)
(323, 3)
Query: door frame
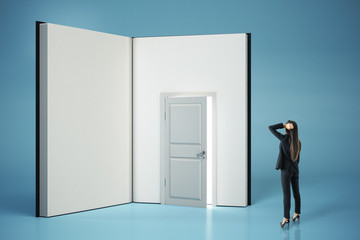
(213, 144)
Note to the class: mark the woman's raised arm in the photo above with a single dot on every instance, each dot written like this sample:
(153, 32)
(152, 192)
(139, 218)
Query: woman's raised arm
(273, 129)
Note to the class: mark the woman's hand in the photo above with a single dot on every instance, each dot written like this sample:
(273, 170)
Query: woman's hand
(289, 126)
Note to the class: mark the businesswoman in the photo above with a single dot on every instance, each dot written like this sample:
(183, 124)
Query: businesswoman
(288, 162)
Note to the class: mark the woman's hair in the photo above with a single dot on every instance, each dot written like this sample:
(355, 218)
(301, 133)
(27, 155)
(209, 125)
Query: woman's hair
(294, 141)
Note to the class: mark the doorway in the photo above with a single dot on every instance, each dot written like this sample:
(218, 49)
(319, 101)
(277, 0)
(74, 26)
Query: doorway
(188, 149)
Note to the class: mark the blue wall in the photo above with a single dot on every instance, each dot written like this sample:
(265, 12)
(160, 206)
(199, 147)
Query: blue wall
(305, 67)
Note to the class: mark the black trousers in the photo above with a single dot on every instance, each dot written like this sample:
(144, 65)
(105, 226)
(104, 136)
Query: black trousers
(293, 178)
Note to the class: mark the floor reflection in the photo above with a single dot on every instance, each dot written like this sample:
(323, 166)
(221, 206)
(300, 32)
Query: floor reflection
(155, 221)
(209, 222)
(291, 230)
(285, 233)
(297, 231)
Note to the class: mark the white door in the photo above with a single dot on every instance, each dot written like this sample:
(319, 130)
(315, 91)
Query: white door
(185, 141)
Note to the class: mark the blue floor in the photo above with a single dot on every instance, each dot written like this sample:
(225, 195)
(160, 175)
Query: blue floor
(330, 210)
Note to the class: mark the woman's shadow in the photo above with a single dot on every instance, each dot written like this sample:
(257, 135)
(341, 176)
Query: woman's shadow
(264, 189)
(17, 204)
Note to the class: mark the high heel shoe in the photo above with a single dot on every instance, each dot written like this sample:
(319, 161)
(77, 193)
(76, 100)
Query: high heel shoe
(297, 218)
(282, 224)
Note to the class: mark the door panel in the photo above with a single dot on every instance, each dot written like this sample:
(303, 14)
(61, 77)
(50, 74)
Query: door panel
(188, 187)
(185, 116)
(186, 151)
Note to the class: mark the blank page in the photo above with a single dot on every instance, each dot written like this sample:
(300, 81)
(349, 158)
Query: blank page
(85, 119)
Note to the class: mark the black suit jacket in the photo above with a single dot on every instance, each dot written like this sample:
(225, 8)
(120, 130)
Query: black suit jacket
(284, 161)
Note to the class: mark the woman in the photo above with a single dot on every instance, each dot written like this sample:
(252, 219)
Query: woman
(288, 161)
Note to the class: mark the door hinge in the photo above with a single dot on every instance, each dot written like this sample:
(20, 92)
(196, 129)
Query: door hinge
(165, 115)
(165, 182)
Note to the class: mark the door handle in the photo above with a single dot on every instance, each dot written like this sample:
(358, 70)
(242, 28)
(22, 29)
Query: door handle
(202, 154)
